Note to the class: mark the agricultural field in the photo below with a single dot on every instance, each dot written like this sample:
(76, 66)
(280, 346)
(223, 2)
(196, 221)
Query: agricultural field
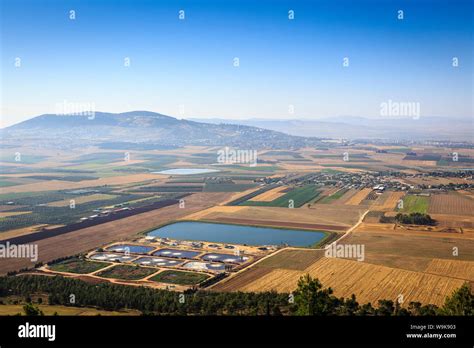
(358, 197)
(415, 204)
(467, 194)
(242, 279)
(323, 217)
(53, 207)
(295, 259)
(390, 202)
(51, 185)
(449, 254)
(346, 196)
(453, 268)
(383, 239)
(368, 282)
(451, 204)
(242, 197)
(270, 195)
(453, 221)
(415, 261)
(24, 158)
(229, 187)
(27, 230)
(373, 216)
(6, 183)
(82, 200)
(334, 197)
(76, 265)
(298, 195)
(179, 277)
(126, 272)
(89, 238)
(13, 213)
(11, 309)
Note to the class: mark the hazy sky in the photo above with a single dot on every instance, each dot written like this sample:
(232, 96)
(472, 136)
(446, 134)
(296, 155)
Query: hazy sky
(188, 65)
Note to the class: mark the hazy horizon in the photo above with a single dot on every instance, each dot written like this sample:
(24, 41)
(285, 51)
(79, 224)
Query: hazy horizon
(288, 68)
(336, 119)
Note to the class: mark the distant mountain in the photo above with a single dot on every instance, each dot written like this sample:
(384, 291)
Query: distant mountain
(347, 127)
(148, 127)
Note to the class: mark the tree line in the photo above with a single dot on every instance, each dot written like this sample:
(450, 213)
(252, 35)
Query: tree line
(409, 219)
(310, 298)
(415, 219)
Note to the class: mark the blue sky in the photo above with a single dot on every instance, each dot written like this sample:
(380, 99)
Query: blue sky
(187, 64)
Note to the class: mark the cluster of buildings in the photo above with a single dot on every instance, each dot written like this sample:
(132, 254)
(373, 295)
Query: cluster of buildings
(379, 182)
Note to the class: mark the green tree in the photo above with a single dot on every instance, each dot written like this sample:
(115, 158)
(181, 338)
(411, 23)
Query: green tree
(416, 308)
(461, 302)
(311, 299)
(385, 308)
(30, 310)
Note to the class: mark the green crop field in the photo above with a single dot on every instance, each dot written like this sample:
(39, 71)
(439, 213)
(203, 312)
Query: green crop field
(415, 204)
(76, 265)
(299, 195)
(399, 149)
(52, 207)
(6, 183)
(127, 272)
(20, 158)
(179, 277)
(333, 197)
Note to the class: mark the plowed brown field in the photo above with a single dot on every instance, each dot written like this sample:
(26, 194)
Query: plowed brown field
(451, 204)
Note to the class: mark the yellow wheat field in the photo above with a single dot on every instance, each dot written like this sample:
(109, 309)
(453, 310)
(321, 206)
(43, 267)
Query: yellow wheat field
(270, 195)
(390, 203)
(452, 268)
(368, 282)
(358, 197)
(346, 196)
(64, 185)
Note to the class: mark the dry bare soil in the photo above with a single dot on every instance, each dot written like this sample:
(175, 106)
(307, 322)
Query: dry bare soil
(451, 204)
(325, 216)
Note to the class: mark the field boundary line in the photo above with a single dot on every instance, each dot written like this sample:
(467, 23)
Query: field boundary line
(349, 231)
(289, 248)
